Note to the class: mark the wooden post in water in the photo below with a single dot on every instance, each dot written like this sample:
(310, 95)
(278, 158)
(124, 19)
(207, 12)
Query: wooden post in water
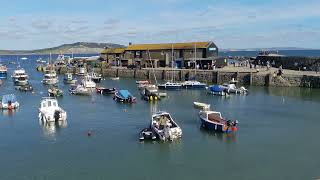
(218, 77)
(117, 73)
(250, 79)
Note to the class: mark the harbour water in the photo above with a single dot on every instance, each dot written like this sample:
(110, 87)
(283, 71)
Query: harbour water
(277, 139)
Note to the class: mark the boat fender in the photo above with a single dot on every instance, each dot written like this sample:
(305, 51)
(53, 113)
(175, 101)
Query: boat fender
(155, 98)
(150, 98)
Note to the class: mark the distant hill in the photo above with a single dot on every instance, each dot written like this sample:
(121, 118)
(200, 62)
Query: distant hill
(268, 49)
(76, 48)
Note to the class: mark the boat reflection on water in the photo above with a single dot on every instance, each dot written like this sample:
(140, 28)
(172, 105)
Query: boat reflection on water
(224, 137)
(51, 128)
(9, 112)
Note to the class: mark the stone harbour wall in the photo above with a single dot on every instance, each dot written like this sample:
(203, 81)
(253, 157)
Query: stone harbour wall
(211, 77)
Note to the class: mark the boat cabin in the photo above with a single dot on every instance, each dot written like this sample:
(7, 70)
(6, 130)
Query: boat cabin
(49, 103)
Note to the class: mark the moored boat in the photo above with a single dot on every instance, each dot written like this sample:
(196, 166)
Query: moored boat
(25, 88)
(165, 127)
(96, 77)
(9, 102)
(105, 91)
(3, 71)
(124, 96)
(213, 120)
(50, 111)
(202, 106)
(20, 77)
(232, 88)
(55, 92)
(115, 78)
(217, 90)
(143, 82)
(79, 90)
(50, 77)
(87, 82)
(147, 134)
(170, 85)
(150, 93)
(68, 79)
(193, 85)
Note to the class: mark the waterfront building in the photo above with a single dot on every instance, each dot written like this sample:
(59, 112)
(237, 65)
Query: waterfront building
(183, 55)
(113, 55)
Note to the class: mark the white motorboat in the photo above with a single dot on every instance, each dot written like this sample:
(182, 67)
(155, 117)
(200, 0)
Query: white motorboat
(115, 78)
(50, 111)
(202, 106)
(87, 82)
(80, 90)
(20, 77)
(96, 77)
(170, 85)
(50, 77)
(9, 102)
(193, 85)
(165, 127)
(232, 88)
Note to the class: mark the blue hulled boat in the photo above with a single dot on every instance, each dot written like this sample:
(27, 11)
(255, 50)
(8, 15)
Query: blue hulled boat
(213, 120)
(3, 71)
(124, 96)
(217, 90)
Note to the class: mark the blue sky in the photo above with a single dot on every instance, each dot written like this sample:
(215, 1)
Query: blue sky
(36, 24)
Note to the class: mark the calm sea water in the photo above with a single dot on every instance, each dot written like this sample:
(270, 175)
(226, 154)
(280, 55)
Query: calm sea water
(278, 136)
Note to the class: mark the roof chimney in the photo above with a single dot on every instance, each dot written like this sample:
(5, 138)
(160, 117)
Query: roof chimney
(130, 43)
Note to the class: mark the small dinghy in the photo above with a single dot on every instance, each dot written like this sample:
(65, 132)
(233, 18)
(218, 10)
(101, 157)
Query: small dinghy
(150, 94)
(55, 92)
(25, 88)
(202, 106)
(143, 82)
(147, 134)
(115, 78)
(9, 102)
(124, 96)
(105, 91)
(50, 111)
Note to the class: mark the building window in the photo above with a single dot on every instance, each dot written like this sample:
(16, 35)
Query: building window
(212, 49)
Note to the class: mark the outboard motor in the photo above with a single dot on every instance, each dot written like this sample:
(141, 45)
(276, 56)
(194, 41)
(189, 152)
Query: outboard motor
(56, 116)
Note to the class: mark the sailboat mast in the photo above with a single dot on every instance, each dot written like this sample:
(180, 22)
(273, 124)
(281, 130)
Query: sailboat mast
(172, 63)
(195, 59)
(155, 78)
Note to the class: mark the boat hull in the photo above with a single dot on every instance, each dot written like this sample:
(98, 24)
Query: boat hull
(3, 75)
(169, 87)
(202, 86)
(211, 126)
(98, 80)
